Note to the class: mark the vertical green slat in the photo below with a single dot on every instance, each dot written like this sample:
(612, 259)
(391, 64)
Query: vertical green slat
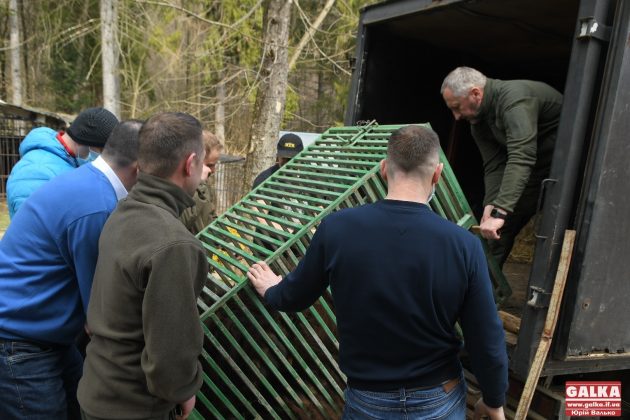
(228, 382)
(250, 363)
(291, 348)
(280, 355)
(327, 308)
(221, 396)
(325, 351)
(262, 354)
(322, 324)
(240, 373)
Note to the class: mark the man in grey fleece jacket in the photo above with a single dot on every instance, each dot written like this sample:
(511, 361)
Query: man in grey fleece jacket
(142, 362)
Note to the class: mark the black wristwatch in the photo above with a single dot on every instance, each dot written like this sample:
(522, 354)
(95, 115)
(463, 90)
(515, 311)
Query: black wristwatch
(497, 214)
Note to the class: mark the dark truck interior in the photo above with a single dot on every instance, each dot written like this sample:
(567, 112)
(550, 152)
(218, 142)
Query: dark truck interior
(407, 47)
(407, 59)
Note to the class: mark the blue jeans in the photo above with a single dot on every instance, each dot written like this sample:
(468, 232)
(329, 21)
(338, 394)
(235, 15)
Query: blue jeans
(38, 382)
(432, 403)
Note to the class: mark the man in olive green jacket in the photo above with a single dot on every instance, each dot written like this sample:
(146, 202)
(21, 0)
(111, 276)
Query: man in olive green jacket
(514, 123)
(197, 217)
(143, 360)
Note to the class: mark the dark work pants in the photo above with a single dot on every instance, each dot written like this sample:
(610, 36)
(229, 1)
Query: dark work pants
(525, 209)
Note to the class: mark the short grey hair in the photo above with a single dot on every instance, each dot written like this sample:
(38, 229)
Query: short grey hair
(462, 79)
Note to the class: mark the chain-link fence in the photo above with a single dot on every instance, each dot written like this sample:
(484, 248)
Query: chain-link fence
(228, 180)
(15, 123)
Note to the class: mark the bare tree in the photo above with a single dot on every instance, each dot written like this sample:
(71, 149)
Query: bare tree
(109, 48)
(16, 53)
(310, 32)
(272, 90)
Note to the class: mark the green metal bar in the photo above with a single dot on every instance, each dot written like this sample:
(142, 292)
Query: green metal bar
(294, 352)
(259, 225)
(228, 382)
(236, 250)
(292, 180)
(253, 389)
(226, 258)
(314, 357)
(295, 188)
(324, 175)
(240, 240)
(325, 351)
(281, 222)
(220, 268)
(328, 169)
(322, 324)
(310, 199)
(250, 364)
(219, 394)
(327, 308)
(349, 155)
(276, 210)
(284, 202)
(243, 230)
(254, 345)
(279, 355)
(366, 163)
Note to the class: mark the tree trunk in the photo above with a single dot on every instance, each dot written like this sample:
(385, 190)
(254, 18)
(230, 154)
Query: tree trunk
(219, 111)
(16, 53)
(272, 90)
(109, 48)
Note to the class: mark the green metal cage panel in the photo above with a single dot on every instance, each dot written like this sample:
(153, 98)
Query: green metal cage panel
(259, 363)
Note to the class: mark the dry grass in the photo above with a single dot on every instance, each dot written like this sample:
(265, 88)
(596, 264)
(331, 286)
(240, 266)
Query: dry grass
(523, 250)
(4, 217)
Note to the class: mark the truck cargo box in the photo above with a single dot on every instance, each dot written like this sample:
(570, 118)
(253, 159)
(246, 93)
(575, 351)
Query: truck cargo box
(405, 49)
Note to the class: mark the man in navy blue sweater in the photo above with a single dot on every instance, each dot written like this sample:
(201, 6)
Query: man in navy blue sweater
(401, 277)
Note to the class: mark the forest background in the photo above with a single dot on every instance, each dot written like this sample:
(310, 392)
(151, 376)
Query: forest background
(214, 59)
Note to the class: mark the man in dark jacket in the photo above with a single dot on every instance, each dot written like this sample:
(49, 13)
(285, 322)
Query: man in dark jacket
(289, 145)
(401, 276)
(142, 361)
(514, 124)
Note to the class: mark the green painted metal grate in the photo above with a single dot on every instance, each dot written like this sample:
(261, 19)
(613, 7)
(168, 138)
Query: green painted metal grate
(259, 363)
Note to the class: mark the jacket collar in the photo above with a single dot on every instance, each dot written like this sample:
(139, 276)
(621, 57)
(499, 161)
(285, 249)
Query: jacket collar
(160, 192)
(489, 96)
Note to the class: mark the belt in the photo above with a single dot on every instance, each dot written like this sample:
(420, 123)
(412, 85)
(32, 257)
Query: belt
(446, 386)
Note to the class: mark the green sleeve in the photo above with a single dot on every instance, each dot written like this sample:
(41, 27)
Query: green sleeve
(195, 217)
(172, 330)
(520, 121)
(493, 156)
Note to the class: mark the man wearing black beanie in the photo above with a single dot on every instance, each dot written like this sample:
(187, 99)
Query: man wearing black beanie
(45, 153)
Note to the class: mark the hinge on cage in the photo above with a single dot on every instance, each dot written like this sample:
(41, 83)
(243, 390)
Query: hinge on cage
(364, 126)
(590, 28)
(539, 298)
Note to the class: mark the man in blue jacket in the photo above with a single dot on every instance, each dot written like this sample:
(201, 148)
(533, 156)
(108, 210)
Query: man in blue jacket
(47, 261)
(401, 277)
(45, 153)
